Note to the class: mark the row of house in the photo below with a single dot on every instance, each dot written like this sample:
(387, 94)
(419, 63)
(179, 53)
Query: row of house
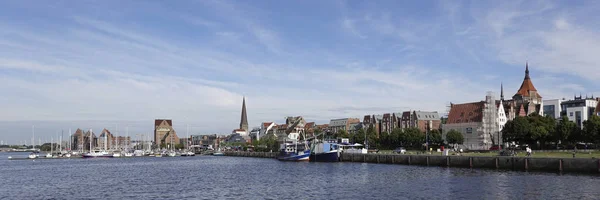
(80, 141)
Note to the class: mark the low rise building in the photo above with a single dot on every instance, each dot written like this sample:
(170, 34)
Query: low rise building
(336, 125)
(579, 109)
(423, 120)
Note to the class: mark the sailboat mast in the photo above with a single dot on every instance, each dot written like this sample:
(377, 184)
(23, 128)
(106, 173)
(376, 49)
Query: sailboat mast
(127, 137)
(91, 138)
(70, 140)
(33, 138)
(105, 141)
(187, 142)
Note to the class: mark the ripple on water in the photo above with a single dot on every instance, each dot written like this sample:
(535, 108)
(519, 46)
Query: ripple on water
(207, 177)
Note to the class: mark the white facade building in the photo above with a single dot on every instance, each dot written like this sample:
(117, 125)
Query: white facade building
(579, 109)
(552, 108)
(502, 119)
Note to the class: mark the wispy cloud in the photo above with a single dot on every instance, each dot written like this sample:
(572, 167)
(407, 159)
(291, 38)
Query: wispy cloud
(82, 67)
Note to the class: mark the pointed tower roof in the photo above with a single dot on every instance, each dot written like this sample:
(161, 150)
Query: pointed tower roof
(501, 91)
(527, 85)
(244, 120)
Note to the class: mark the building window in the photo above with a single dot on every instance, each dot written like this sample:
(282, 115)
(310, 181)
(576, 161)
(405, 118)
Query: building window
(571, 114)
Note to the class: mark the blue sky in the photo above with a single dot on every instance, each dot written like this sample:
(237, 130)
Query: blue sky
(96, 64)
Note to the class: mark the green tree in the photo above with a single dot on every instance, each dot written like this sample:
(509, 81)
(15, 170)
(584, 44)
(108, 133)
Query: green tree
(342, 134)
(591, 130)
(372, 138)
(564, 131)
(517, 130)
(541, 129)
(454, 137)
(359, 137)
(412, 137)
(435, 137)
(395, 138)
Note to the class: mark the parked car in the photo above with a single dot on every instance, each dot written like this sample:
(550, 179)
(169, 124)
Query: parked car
(400, 150)
(495, 148)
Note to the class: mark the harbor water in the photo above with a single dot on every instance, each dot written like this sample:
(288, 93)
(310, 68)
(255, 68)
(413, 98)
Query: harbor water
(222, 177)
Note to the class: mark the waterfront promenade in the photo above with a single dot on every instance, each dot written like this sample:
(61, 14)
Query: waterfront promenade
(569, 165)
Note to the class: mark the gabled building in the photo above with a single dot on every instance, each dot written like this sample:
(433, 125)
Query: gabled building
(423, 120)
(477, 121)
(164, 132)
(427, 121)
(87, 137)
(336, 125)
(373, 121)
(78, 140)
(106, 139)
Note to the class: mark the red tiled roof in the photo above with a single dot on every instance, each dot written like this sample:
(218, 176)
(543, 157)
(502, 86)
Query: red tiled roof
(527, 85)
(309, 125)
(466, 113)
(267, 124)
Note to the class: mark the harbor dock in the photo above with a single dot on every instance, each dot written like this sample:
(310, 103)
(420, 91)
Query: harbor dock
(568, 165)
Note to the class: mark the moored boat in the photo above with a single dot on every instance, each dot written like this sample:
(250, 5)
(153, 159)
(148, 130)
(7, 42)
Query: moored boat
(32, 156)
(294, 152)
(97, 154)
(325, 151)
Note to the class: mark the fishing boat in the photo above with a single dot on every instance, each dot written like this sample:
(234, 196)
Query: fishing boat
(116, 154)
(172, 154)
(190, 153)
(325, 151)
(291, 151)
(128, 154)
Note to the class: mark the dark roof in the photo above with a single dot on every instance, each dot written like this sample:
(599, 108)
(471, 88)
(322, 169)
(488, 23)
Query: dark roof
(244, 117)
(466, 113)
(157, 122)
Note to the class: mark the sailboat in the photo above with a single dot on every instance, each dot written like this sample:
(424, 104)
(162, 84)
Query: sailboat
(33, 155)
(49, 155)
(127, 151)
(97, 153)
(171, 152)
(116, 153)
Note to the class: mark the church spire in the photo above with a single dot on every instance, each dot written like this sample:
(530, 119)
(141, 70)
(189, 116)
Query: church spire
(244, 120)
(501, 91)
(526, 70)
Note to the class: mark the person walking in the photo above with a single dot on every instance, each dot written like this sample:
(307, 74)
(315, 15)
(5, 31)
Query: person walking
(528, 151)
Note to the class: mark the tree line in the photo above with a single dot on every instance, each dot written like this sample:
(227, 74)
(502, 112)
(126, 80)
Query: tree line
(546, 132)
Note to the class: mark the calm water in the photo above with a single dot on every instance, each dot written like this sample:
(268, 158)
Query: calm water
(208, 177)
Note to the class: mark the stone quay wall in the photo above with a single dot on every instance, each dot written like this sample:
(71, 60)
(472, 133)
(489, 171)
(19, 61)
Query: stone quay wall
(577, 165)
(574, 165)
